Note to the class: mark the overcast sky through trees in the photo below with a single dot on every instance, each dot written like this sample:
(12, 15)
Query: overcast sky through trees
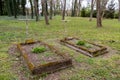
(85, 3)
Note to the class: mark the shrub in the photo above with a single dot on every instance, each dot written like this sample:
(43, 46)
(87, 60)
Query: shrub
(81, 43)
(109, 13)
(116, 15)
(38, 49)
(83, 12)
(87, 14)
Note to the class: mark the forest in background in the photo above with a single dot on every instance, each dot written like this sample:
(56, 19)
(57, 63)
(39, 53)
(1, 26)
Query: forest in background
(48, 8)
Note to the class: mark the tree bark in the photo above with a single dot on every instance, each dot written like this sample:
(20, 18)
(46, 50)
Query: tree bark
(45, 12)
(51, 9)
(14, 8)
(63, 15)
(47, 8)
(75, 8)
(18, 8)
(99, 21)
(54, 9)
(32, 14)
(72, 11)
(79, 5)
(8, 7)
(103, 7)
(36, 10)
(23, 7)
(1, 7)
(119, 10)
(91, 13)
(42, 8)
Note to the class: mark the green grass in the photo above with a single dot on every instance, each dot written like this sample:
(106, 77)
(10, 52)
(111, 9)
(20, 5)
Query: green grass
(90, 68)
(39, 49)
(81, 43)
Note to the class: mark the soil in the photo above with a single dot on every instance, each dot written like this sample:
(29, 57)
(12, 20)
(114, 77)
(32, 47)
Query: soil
(13, 50)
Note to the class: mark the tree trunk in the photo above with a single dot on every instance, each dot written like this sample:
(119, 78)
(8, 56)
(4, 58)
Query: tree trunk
(119, 10)
(99, 21)
(103, 7)
(45, 12)
(36, 9)
(75, 8)
(61, 7)
(54, 10)
(32, 15)
(91, 13)
(47, 8)
(8, 7)
(63, 15)
(42, 8)
(51, 9)
(14, 8)
(79, 5)
(103, 14)
(18, 8)
(72, 13)
(23, 7)
(1, 7)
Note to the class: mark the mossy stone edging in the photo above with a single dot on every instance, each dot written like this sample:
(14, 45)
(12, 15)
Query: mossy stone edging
(47, 67)
(82, 49)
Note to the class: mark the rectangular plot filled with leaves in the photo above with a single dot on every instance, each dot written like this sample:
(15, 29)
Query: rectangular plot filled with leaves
(85, 47)
(43, 58)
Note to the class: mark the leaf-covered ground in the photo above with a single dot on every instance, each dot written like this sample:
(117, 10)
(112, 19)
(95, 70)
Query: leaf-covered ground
(105, 67)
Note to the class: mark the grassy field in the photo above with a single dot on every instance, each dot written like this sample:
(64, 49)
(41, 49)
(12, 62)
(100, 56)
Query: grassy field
(105, 67)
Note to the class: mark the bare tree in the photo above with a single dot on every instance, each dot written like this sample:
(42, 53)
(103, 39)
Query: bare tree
(23, 2)
(61, 6)
(31, 4)
(119, 10)
(98, 6)
(79, 6)
(103, 6)
(51, 8)
(92, 7)
(14, 8)
(36, 9)
(72, 13)
(44, 2)
(63, 15)
(1, 7)
(42, 8)
(75, 8)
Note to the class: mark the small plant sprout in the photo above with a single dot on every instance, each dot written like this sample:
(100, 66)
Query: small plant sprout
(38, 49)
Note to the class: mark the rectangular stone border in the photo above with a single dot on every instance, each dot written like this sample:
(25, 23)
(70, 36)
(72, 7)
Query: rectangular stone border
(83, 50)
(48, 67)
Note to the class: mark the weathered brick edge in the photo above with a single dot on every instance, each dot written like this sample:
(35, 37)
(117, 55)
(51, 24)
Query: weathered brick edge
(49, 67)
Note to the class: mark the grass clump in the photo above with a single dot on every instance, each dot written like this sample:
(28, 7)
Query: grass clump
(38, 49)
(81, 43)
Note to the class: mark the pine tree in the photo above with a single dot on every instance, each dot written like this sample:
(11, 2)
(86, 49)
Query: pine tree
(111, 10)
